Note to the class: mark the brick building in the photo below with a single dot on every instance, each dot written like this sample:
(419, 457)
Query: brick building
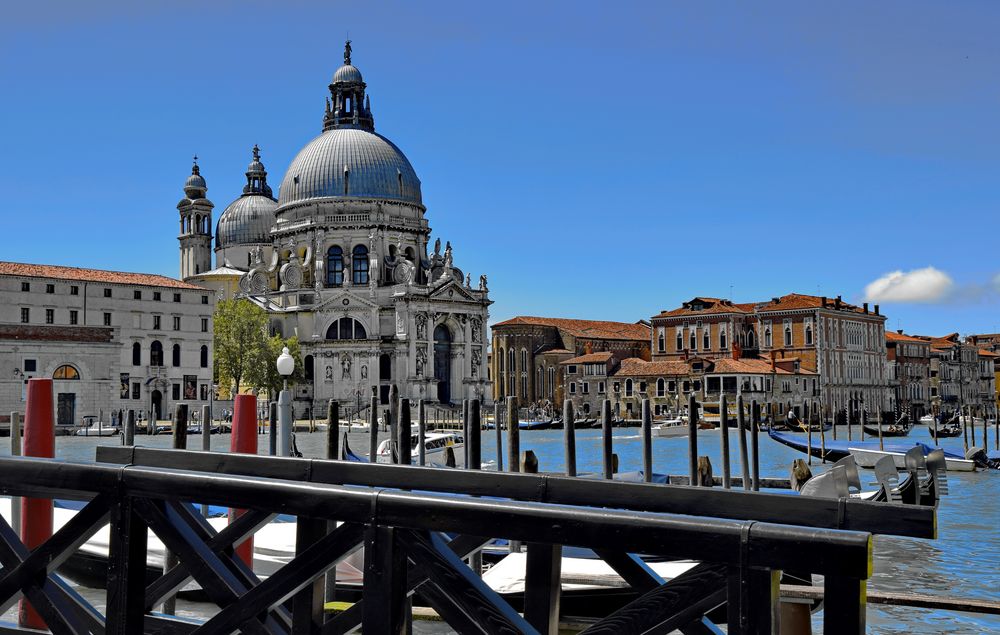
(528, 352)
(840, 342)
(908, 372)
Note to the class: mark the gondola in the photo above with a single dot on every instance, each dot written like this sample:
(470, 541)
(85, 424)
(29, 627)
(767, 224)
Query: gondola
(888, 429)
(946, 430)
(836, 450)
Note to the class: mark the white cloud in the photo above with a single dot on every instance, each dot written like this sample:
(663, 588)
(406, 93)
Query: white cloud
(919, 285)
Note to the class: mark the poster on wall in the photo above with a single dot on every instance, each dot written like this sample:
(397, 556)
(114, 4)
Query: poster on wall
(123, 386)
(190, 387)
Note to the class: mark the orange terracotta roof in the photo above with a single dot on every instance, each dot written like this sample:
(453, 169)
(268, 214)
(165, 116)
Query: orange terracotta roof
(91, 275)
(590, 358)
(593, 329)
(556, 351)
(899, 337)
(985, 353)
(635, 367)
(793, 301)
(713, 306)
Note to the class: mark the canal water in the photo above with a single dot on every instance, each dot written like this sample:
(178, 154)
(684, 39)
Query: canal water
(964, 562)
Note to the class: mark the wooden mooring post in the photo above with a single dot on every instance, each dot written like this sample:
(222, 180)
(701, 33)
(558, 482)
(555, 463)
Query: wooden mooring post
(647, 442)
(498, 430)
(741, 424)
(755, 443)
(421, 432)
(569, 437)
(373, 426)
(692, 439)
(513, 436)
(724, 441)
(606, 438)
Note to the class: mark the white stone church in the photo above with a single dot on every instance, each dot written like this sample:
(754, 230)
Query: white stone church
(343, 260)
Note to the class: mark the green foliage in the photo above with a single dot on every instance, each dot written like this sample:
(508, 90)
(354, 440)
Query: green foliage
(240, 340)
(264, 373)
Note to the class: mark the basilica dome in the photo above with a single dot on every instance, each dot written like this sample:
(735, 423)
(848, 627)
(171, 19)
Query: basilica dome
(248, 219)
(348, 73)
(347, 162)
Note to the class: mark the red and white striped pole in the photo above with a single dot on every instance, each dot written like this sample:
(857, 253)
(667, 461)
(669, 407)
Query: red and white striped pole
(36, 513)
(244, 441)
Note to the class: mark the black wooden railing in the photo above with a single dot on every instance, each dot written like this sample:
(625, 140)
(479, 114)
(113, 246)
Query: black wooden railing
(742, 548)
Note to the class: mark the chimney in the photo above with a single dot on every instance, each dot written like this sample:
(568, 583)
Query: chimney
(900, 331)
(822, 301)
(836, 304)
(866, 308)
(876, 309)
(772, 361)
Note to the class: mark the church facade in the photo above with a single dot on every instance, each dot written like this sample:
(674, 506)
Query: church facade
(342, 258)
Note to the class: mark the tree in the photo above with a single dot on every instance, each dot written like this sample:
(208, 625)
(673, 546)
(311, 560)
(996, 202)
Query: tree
(240, 340)
(263, 373)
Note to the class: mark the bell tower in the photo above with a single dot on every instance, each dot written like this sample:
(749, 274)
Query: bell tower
(196, 226)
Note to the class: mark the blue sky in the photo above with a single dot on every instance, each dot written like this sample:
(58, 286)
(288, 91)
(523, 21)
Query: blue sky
(596, 160)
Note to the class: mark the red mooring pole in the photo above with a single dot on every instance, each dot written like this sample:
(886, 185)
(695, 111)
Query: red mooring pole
(244, 441)
(36, 513)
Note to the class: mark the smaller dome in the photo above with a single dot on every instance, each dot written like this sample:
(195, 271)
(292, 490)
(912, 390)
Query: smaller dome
(195, 186)
(347, 74)
(247, 221)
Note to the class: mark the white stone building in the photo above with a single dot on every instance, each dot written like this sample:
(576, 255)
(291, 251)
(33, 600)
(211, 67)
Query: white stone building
(341, 259)
(110, 340)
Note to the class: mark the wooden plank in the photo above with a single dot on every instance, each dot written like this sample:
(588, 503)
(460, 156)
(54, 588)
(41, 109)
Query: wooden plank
(912, 520)
(385, 574)
(918, 600)
(126, 570)
(670, 606)
(844, 605)
(542, 587)
(463, 589)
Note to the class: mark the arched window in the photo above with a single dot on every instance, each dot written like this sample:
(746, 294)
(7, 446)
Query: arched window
(706, 338)
(628, 387)
(359, 265)
(524, 360)
(66, 372)
(552, 382)
(767, 336)
(661, 387)
(680, 339)
(175, 355)
(809, 335)
(788, 336)
(539, 382)
(722, 337)
(500, 362)
(137, 354)
(156, 353)
(694, 341)
(511, 357)
(204, 356)
(334, 267)
(660, 340)
(751, 339)
(346, 329)
(307, 367)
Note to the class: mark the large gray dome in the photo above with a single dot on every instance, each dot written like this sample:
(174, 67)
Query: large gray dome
(247, 221)
(348, 73)
(349, 163)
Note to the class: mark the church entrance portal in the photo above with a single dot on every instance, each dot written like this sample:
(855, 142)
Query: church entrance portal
(442, 362)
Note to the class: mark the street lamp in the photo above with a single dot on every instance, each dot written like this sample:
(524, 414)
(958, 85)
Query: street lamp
(286, 365)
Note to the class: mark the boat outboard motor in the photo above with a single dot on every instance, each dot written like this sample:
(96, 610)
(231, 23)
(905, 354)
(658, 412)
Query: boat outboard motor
(938, 469)
(830, 484)
(851, 468)
(978, 455)
(887, 476)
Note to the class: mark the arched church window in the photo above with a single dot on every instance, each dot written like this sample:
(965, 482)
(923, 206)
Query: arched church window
(66, 372)
(500, 363)
(524, 359)
(359, 265)
(511, 357)
(346, 329)
(156, 353)
(204, 356)
(334, 267)
(137, 354)
(175, 355)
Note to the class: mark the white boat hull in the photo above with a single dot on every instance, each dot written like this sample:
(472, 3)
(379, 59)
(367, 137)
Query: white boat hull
(670, 431)
(94, 431)
(868, 458)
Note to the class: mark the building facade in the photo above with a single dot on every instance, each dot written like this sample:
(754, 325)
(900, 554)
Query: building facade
(963, 374)
(909, 374)
(109, 340)
(842, 343)
(343, 260)
(528, 353)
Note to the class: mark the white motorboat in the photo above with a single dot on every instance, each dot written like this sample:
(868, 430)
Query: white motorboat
(436, 446)
(96, 429)
(867, 458)
(672, 428)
